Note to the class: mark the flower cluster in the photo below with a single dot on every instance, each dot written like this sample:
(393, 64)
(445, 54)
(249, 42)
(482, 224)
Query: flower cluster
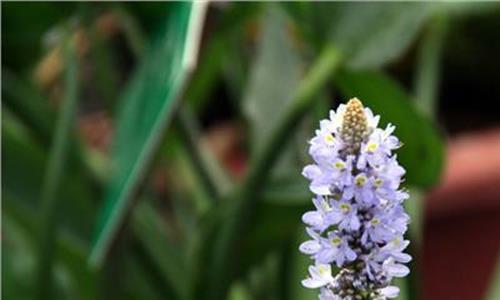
(359, 221)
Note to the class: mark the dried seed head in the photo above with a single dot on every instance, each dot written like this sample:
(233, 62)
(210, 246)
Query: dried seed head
(354, 125)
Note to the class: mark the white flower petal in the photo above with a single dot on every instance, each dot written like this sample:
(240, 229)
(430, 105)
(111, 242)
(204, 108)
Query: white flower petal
(312, 284)
(310, 247)
(313, 218)
(396, 270)
(311, 171)
(322, 189)
(390, 292)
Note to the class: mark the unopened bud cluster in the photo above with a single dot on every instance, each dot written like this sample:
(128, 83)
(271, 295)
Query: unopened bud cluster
(354, 126)
(359, 220)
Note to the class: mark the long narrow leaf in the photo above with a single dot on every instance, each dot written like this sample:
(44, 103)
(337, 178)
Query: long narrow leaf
(147, 225)
(54, 173)
(212, 175)
(146, 110)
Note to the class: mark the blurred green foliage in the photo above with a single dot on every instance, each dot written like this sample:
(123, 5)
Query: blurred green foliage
(194, 231)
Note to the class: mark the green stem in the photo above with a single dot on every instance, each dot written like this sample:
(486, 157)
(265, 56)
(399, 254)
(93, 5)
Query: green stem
(239, 213)
(54, 173)
(212, 175)
(429, 69)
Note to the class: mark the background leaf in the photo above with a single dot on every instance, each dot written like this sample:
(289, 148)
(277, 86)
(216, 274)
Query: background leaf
(372, 34)
(275, 74)
(369, 35)
(54, 173)
(146, 108)
(422, 153)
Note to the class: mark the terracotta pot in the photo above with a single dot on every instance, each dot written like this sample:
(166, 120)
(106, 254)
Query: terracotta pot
(462, 229)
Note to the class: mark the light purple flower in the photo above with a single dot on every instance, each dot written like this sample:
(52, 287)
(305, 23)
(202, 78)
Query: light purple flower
(319, 276)
(359, 218)
(345, 215)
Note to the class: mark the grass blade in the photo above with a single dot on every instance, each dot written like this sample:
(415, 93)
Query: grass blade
(54, 172)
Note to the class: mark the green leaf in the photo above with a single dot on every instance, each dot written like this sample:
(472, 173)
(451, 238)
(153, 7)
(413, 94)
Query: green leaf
(146, 109)
(71, 253)
(212, 176)
(54, 174)
(373, 34)
(275, 74)
(24, 164)
(423, 150)
(26, 101)
(140, 282)
(166, 255)
(368, 34)
(24, 169)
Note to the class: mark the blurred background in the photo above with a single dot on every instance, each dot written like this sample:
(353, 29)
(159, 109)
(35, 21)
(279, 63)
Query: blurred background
(154, 150)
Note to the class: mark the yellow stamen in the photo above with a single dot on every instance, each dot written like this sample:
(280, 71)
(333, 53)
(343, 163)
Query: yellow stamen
(360, 180)
(339, 165)
(336, 241)
(345, 208)
(378, 182)
(329, 138)
(371, 147)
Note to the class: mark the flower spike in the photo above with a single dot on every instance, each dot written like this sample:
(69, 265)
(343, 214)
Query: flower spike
(359, 221)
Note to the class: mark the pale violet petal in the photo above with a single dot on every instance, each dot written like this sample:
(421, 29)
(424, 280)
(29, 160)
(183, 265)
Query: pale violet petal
(312, 283)
(320, 188)
(390, 292)
(313, 218)
(396, 270)
(311, 171)
(310, 247)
